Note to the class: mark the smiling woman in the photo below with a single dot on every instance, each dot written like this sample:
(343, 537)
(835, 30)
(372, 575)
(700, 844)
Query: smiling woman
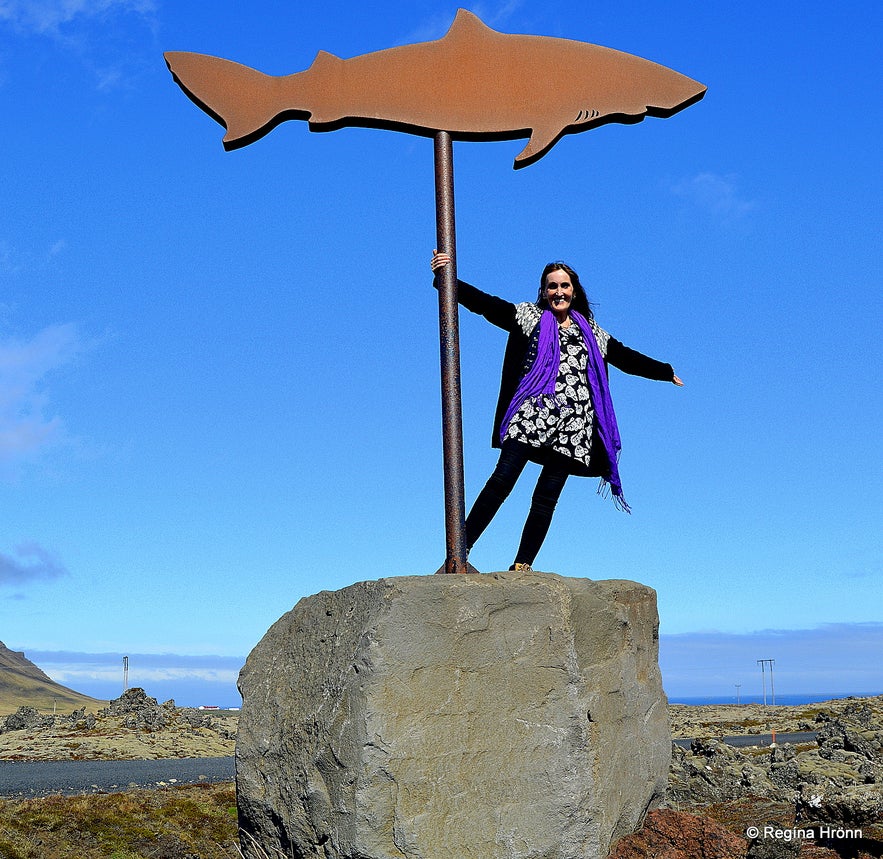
(554, 406)
(558, 292)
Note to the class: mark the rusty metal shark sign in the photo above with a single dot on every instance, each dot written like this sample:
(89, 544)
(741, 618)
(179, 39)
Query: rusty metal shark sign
(475, 83)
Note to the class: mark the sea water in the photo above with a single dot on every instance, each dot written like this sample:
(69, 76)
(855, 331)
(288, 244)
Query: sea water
(781, 700)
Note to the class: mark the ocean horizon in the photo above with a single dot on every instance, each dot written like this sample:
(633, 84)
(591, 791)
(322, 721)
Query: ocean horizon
(790, 700)
(193, 693)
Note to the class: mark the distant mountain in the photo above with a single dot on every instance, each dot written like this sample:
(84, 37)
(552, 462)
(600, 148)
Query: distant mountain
(23, 684)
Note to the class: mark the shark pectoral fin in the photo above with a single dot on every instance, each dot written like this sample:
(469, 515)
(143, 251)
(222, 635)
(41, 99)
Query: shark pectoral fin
(541, 139)
(242, 99)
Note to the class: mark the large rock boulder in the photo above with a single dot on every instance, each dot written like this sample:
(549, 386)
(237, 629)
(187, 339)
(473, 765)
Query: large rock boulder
(428, 717)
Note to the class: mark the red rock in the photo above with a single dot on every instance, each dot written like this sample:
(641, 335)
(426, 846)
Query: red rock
(813, 851)
(671, 834)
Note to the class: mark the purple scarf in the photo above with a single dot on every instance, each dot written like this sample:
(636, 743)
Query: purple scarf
(538, 384)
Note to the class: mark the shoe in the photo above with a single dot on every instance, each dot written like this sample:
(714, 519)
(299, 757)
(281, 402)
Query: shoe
(522, 568)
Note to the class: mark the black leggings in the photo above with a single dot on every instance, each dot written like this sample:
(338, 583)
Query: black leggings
(513, 458)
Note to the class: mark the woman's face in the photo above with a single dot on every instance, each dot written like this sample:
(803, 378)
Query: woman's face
(558, 292)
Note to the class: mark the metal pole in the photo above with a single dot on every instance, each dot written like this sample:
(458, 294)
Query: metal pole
(449, 341)
(762, 664)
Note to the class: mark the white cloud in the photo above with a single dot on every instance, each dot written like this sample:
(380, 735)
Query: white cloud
(96, 33)
(495, 14)
(716, 194)
(25, 425)
(13, 261)
(190, 680)
(67, 664)
(74, 675)
(49, 16)
(31, 561)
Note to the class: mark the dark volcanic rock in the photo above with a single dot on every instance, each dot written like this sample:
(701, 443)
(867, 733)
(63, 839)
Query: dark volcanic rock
(836, 786)
(26, 717)
(838, 734)
(715, 772)
(139, 710)
(846, 768)
(773, 848)
(856, 807)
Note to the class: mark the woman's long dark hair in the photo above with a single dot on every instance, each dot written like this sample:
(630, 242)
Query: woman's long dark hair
(580, 301)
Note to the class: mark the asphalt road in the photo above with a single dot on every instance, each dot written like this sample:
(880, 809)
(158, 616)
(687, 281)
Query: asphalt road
(40, 778)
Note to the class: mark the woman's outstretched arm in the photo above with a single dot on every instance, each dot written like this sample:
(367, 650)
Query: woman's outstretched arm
(637, 364)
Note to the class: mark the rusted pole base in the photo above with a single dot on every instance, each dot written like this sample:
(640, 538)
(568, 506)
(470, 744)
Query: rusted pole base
(449, 341)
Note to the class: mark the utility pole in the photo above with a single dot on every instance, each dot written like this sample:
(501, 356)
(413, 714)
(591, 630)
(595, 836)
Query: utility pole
(125, 673)
(762, 663)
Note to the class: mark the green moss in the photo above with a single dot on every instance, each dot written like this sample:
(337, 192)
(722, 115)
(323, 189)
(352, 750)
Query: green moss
(11, 850)
(162, 824)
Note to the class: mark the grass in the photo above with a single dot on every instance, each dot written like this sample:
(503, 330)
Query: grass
(188, 822)
(46, 697)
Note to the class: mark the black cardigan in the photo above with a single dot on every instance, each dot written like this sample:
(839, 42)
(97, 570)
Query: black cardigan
(501, 313)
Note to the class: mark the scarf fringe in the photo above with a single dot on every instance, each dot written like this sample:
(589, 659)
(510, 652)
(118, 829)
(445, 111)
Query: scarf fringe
(605, 490)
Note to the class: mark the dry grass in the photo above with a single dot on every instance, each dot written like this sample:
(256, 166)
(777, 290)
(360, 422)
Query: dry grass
(51, 701)
(711, 720)
(111, 740)
(261, 852)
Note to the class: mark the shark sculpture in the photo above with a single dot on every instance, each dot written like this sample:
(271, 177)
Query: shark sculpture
(475, 83)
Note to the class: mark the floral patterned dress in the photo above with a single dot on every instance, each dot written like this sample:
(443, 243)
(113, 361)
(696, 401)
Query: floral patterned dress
(566, 430)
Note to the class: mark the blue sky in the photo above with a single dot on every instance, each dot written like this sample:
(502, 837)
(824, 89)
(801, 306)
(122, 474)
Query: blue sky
(219, 370)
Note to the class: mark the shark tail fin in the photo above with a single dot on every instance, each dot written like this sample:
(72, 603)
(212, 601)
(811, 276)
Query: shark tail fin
(244, 100)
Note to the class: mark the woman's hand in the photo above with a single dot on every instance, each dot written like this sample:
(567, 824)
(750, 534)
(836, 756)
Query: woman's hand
(439, 260)
(676, 380)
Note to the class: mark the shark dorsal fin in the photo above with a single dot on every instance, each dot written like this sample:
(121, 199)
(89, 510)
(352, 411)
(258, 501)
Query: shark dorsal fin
(467, 24)
(325, 60)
